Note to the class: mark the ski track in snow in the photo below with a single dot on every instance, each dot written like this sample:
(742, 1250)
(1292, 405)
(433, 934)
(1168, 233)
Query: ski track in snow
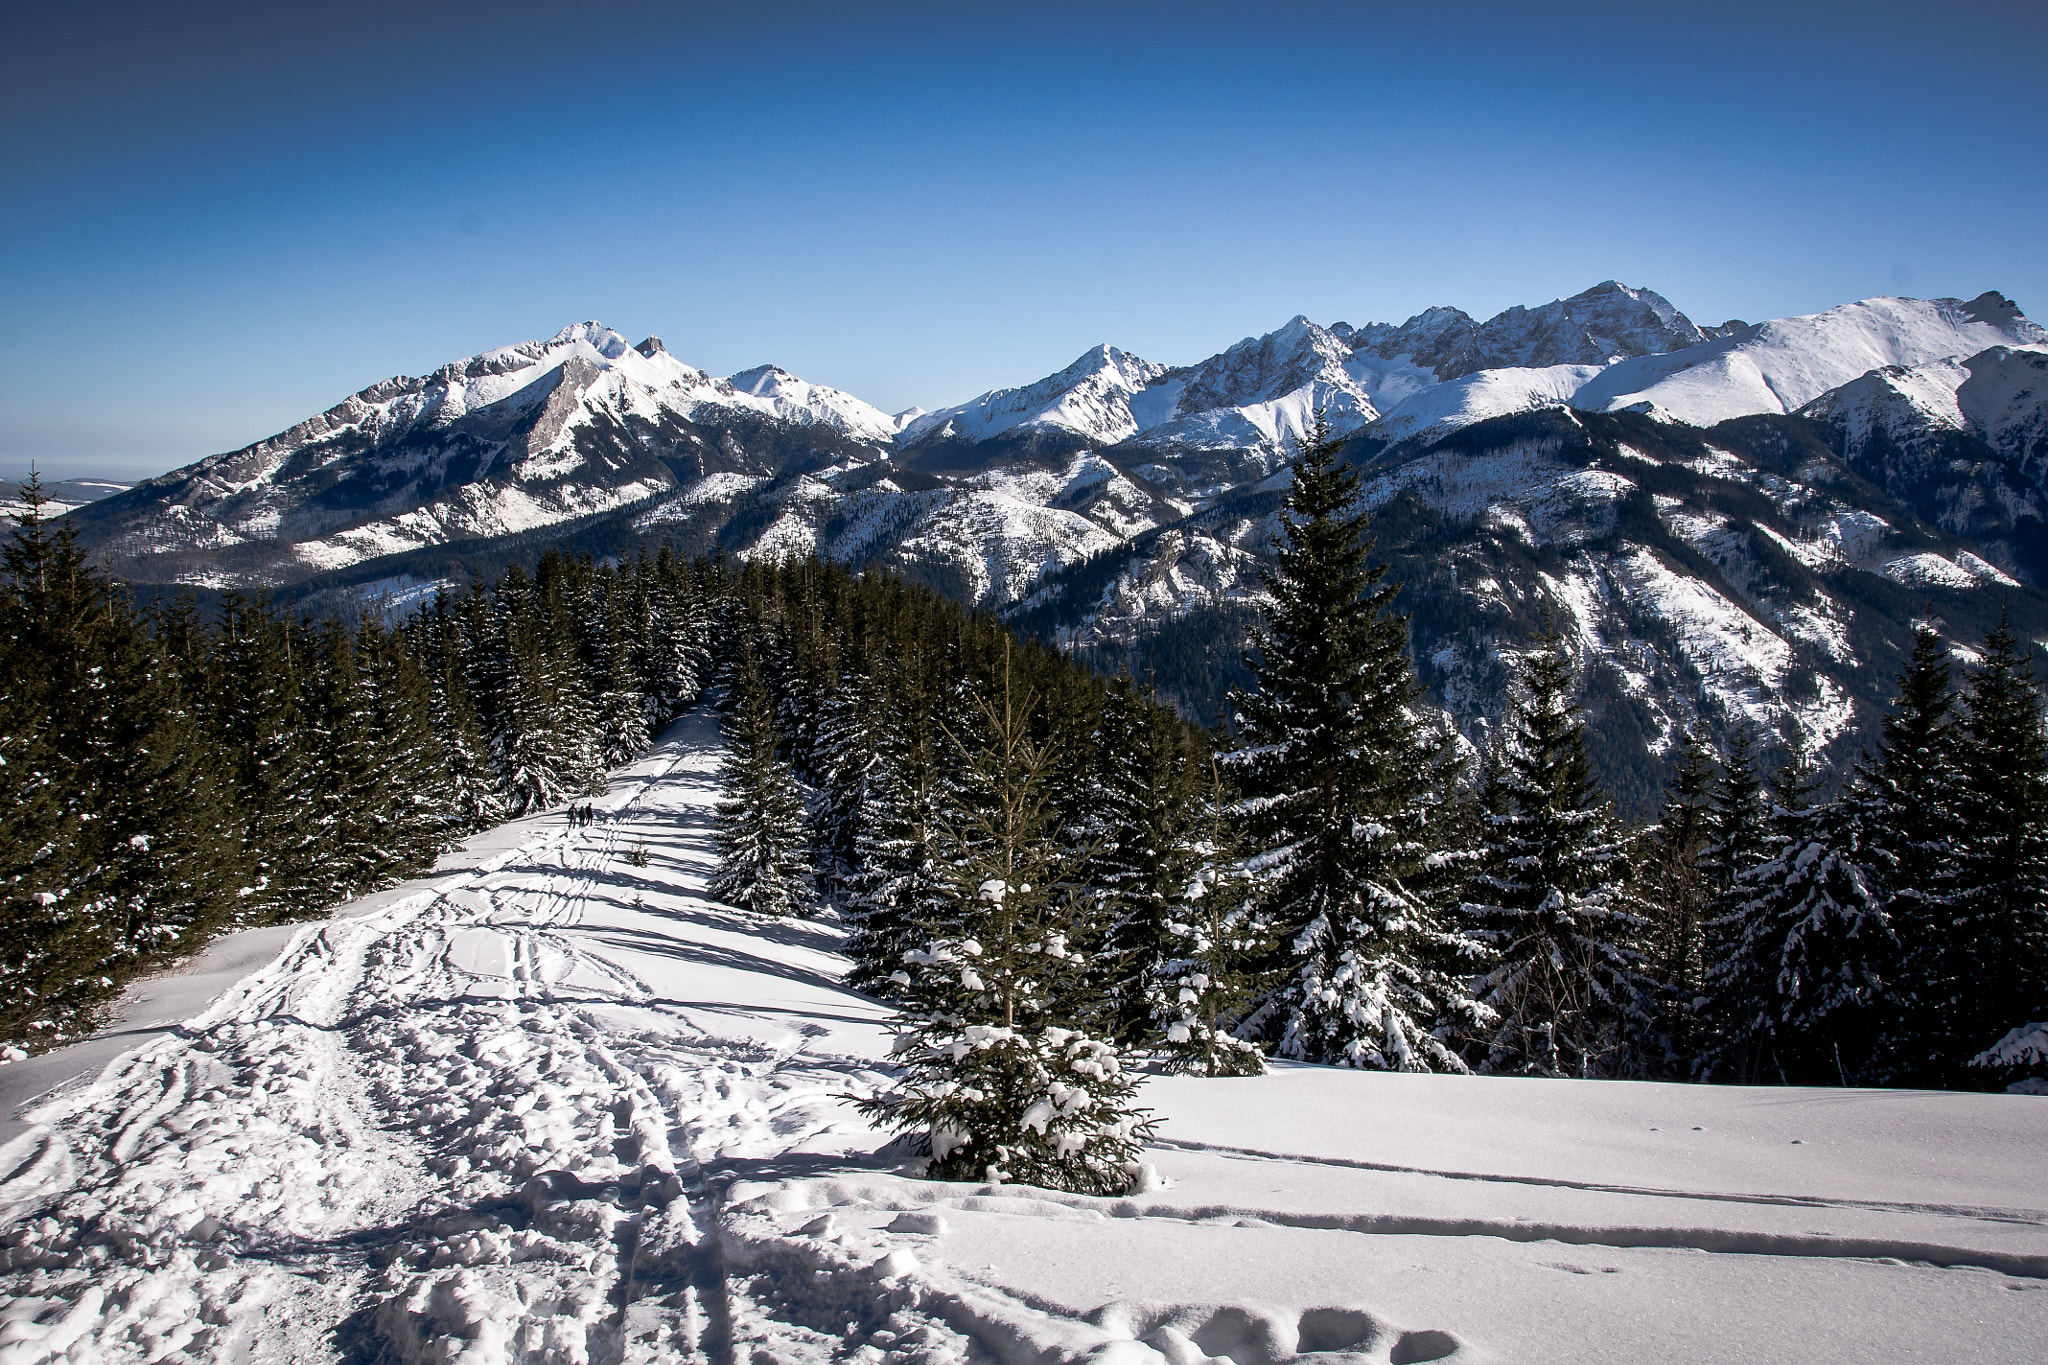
(559, 1107)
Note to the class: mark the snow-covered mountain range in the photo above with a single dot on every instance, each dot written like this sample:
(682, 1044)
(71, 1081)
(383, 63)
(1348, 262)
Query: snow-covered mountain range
(59, 495)
(1736, 521)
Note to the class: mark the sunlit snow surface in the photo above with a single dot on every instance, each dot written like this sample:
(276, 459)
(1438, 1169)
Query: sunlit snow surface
(1776, 366)
(555, 1105)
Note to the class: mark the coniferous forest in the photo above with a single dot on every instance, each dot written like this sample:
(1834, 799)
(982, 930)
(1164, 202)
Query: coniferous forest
(1046, 871)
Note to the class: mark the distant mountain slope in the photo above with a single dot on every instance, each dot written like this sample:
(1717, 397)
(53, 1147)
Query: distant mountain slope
(1606, 323)
(1737, 523)
(501, 443)
(62, 495)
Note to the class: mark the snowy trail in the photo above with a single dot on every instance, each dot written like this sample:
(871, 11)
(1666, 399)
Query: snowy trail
(555, 1105)
(473, 1118)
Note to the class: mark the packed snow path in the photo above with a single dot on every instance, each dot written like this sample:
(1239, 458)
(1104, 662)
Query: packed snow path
(554, 1105)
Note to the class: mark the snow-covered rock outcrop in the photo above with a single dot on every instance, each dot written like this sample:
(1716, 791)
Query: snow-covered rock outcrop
(502, 443)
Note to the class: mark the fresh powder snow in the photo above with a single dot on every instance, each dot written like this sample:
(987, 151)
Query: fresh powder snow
(554, 1104)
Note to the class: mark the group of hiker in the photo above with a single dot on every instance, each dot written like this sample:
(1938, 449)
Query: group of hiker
(582, 815)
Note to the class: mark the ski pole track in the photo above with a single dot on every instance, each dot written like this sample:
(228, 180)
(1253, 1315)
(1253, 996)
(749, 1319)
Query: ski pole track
(2027, 1217)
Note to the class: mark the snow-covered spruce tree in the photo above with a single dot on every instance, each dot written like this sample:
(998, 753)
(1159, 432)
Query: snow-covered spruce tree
(474, 802)
(2017, 1063)
(1145, 820)
(1339, 783)
(1814, 940)
(117, 840)
(763, 858)
(622, 710)
(254, 713)
(1678, 899)
(1912, 820)
(847, 750)
(1551, 901)
(1806, 949)
(898, 897)
(1982, 969)
(996, 1074)
(351, 796)
(546, 748)
(424, 816)
(1738, 822)
(1212, 950)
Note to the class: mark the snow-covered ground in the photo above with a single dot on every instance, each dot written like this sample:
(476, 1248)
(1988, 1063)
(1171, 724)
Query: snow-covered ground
(554, 1105)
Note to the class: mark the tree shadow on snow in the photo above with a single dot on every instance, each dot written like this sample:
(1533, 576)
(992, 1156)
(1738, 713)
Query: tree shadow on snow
(707, 954)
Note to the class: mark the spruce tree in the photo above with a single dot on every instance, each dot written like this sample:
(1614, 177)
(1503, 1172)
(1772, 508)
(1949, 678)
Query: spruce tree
(547, 750)
(1987, 973)
(763, 860)
(1911, 807)
(425, 801)
(622, 711)
(1338, 779)
(1563, 986)
(1677, 899)
(111, 848)
(1146, 819)
(474, 802)
(847, 751)
(1211, 951)
(897, 898)
(1831, 968)
(1807, 947)
(255, 709)
(1738, 820)
(351, 817)
(997, 1073)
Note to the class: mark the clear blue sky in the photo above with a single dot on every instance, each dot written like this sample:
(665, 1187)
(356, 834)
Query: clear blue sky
(217, 219)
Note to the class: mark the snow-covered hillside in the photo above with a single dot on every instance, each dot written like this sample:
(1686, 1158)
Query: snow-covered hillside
(499, 444)
(1814, 484)
(1782, 365)
(61, 495)
(555, 1105)
(1090, 398)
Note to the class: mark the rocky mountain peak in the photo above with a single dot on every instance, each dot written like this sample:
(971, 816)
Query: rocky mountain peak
(595, 335)
(1608, 322)
(1261, 369)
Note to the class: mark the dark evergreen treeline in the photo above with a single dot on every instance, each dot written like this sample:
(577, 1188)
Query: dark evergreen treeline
(1036, 860)
(1504, 920)
(166, 774)
(1336, 884)
(1013, 838)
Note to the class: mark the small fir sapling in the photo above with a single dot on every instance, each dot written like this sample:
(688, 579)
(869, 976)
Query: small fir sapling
(997, 1073)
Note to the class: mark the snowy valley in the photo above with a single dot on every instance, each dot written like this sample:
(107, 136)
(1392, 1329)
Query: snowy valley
(553, 1103)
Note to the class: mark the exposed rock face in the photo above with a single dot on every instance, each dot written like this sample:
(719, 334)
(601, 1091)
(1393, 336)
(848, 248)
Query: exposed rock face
(1606, 323)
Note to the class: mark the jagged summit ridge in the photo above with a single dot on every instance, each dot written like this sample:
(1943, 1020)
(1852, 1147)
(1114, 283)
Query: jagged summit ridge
(1609, 322)
(501, 442)
(1091, 398)
(1892, 452)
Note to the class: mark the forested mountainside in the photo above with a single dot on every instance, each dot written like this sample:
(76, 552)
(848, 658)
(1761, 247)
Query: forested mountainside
(1740, 523)
(170, 772)
(1042, 866)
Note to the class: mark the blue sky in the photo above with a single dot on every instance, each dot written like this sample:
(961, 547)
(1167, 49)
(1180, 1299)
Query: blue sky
(217, 219)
